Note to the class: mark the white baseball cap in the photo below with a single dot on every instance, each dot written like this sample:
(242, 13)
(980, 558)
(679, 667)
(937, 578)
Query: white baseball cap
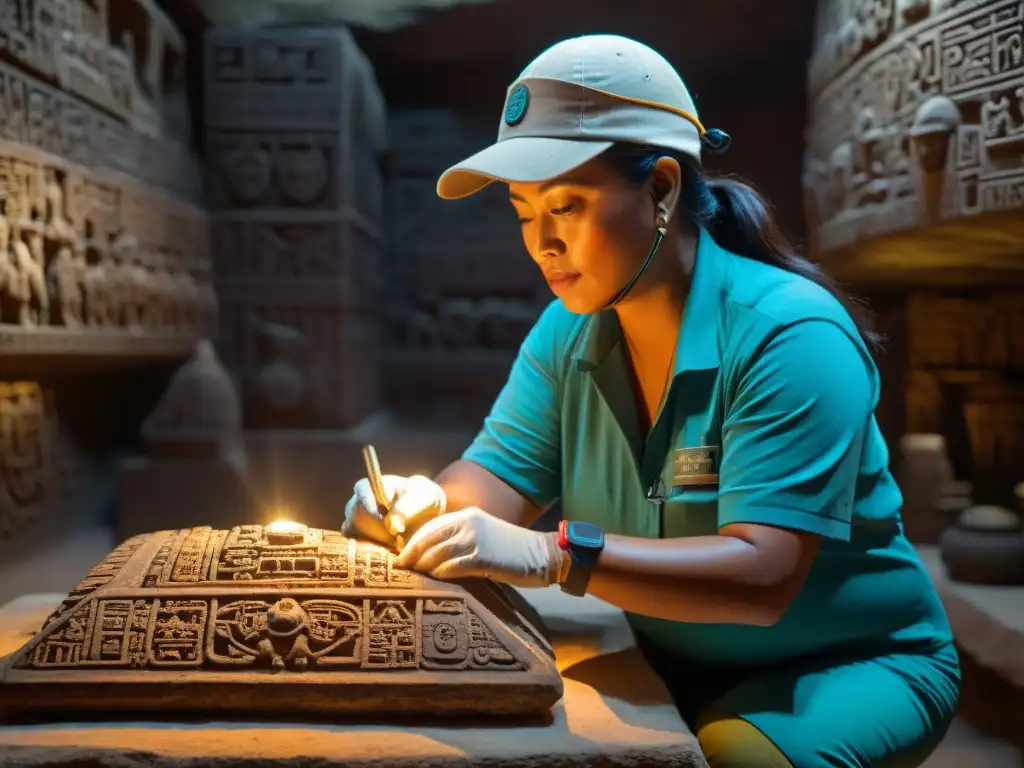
(576, 100)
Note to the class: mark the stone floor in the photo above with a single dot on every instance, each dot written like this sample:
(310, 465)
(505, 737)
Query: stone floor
(61, 566)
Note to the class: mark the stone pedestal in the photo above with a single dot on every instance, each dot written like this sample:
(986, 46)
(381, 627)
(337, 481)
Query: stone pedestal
(615, 712)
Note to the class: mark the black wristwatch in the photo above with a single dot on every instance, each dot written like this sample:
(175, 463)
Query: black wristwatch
(584, 543)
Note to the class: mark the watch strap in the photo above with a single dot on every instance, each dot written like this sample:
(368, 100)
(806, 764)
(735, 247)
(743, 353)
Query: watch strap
(581, 564)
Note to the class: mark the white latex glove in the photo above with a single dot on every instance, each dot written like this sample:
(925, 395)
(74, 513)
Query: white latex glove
(414, 501)
(472, 543)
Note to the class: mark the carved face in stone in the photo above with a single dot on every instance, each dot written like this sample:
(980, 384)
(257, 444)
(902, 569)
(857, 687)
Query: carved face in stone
(285, 617)
(590, 230)
(932, 148)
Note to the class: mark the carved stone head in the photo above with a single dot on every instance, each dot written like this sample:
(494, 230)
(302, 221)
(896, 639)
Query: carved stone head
(286, 617)
(934, 124)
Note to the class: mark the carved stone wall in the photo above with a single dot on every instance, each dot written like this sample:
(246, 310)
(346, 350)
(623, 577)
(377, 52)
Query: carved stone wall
(916, 116)
(104, 239)
(29, 477)
(102, 235)
(462, 291)
(295, 131)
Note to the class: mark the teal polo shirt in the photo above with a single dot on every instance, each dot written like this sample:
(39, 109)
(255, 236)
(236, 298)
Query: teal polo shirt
(774, 383)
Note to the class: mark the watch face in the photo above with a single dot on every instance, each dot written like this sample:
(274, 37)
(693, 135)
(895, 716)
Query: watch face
(585, 535)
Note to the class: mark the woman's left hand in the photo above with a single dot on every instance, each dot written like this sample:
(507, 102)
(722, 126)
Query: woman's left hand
(472, 543)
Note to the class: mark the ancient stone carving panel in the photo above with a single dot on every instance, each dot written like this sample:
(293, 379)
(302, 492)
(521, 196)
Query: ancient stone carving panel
(462, 293)
(917, 115)
(295, 127)
(101, 231)
(233, 607)
(28, 476)
(462, 280)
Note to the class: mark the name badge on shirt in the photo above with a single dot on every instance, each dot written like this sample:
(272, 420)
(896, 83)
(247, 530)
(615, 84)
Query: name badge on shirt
(696, 466)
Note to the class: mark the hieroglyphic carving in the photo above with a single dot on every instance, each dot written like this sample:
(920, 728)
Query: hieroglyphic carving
(178, 633)
(291, 116)
(337, 610)
(70, 43)
(193, 556)
(298, 632)
(389, 622)
(27, 459)
(246, 553)
(917, 115)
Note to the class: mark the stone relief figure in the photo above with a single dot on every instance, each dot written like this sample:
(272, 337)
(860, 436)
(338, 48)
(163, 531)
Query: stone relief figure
(140, 286)
(114, 285)
(98, 308)
(58, 228)
(65, 286)
(284, 381)
(840, 177)
(123, 250)
(284, 640)
(152, 308)
(29, 261)
(870, 179)
(7, 272)
(247, 170)
(931, 137)
(67, 259)
(302, 172)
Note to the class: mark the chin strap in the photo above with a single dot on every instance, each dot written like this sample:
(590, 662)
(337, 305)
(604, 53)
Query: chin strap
(659, 235)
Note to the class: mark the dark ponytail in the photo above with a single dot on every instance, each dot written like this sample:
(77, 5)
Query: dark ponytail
(740, 221)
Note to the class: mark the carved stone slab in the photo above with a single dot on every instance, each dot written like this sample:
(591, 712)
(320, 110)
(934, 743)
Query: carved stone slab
(253, 620)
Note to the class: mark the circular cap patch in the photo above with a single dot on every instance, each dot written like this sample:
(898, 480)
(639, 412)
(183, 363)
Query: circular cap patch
(515, 108)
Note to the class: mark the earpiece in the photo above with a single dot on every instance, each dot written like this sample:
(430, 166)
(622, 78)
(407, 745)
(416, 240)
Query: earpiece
(661, 222)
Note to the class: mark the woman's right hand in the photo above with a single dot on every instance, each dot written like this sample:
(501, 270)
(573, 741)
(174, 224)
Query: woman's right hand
(414, 501)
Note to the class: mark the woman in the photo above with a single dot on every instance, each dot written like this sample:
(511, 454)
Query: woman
(701, 400)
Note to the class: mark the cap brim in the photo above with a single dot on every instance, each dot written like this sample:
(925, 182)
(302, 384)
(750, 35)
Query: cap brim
(525, 159)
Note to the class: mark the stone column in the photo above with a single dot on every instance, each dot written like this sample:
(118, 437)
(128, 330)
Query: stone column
(295, 130)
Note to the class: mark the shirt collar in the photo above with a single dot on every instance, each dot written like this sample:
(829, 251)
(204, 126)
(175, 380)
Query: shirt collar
(697, 345)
